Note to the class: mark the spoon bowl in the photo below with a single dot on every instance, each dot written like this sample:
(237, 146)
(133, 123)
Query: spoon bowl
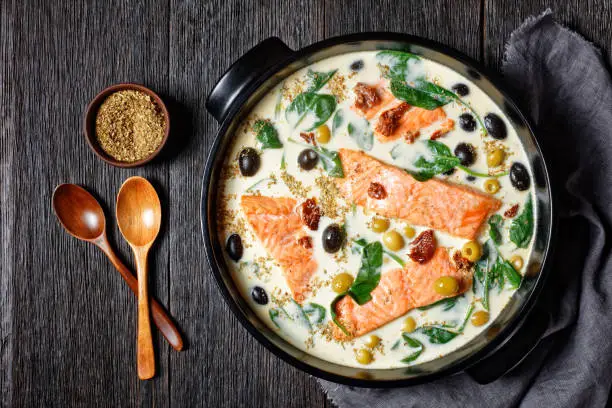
(78, 212)
(82, 216)
(138, 212)
(139, 219)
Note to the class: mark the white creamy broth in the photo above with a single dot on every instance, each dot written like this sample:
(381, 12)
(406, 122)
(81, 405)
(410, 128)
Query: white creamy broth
(257, 268)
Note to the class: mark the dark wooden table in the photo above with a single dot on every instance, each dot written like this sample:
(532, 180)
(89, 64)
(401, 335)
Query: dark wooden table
(67, 320)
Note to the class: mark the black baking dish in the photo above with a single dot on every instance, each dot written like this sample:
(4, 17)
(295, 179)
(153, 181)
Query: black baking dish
(491, 353)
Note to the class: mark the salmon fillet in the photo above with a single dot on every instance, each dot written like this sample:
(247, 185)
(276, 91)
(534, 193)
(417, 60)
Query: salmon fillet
(442, 206)
(398, 292)
(279, 227)
(394, 118)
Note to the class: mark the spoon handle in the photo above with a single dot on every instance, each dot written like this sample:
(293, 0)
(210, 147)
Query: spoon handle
(161, 318)
(144, 349)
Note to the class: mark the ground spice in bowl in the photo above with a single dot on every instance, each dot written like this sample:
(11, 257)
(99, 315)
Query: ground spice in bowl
(129, 126)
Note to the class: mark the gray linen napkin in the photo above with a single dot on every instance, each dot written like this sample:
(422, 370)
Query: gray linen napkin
(563, 82)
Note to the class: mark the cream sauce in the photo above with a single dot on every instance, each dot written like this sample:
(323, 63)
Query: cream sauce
(256, 268)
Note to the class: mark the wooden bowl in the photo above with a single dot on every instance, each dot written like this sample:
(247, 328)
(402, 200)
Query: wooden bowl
(89, 123)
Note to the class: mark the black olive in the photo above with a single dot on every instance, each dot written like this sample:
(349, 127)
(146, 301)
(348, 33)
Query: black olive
(495, 126)
(466, 153)
(357, 65)
(333, 238)
(248, 161)
(259, 295)
(449, 172)
(461, 89)
(470, 178)
(234, 247)
(467, 122)
(308, 159)
(519, 177)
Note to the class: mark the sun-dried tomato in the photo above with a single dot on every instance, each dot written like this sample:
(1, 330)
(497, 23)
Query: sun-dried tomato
(308, 138)
(423, 247)
(461, 262)
(512, 211)
(366, 96)
(377, 191)
(311, 213)
(305, 241)
(388, 121)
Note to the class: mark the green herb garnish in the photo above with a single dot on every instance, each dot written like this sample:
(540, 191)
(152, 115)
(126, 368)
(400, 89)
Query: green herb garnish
(361, 134)
(521, 229)
(495, 224)
(334, 316)
(315, 312)
(368, 276)
(362, 243)
(337, 121)
(318, 79)
(492, 270)
(255, 185)
(267, 135)
(318, 106)
(413, 343)
(442, 161)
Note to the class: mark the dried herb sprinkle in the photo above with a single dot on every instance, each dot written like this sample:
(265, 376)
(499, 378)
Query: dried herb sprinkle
(129, 126)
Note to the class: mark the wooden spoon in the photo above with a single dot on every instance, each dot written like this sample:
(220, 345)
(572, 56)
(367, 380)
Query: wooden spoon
(83, 218)
(139, 218)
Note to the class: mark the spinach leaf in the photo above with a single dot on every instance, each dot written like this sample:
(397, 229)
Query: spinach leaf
(283, 163)
(362, 243)
(275, 314)
(470, 309)
(319, 107)
(369, 274)
(446, 303)
(413, 343)
(437, 335)
(495, 224)
(441, 162)
(397, 61)
(267, 135)
(521, 229)
(279, 104)
(330, 160)
(362, 134)
(302, 314)
(337, 121)
(314, 311)
(505, 269)
(334, 315)
(415, 96)
(255, 185)
(318, 79)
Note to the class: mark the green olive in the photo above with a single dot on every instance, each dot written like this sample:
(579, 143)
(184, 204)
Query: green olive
(480, 317)
(471, 251)
(342, 282)
(373, 341)
(323, 135)
(364, 356)
(409, 232)
(495, 157)
(446, 286)
(380, 224)
(517, 262)
(393, 240)
(409, 324)
(491, 186)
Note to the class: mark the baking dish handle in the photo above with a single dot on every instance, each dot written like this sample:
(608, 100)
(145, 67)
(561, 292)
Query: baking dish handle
(514, 351)
(243, 72)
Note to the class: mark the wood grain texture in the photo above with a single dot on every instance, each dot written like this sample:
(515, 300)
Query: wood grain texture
(67, 320)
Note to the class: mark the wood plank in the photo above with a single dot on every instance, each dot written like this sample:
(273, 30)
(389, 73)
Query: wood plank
(224, 365)
(73, 326)
(452, 22)
(591, 18)
(8, 147)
